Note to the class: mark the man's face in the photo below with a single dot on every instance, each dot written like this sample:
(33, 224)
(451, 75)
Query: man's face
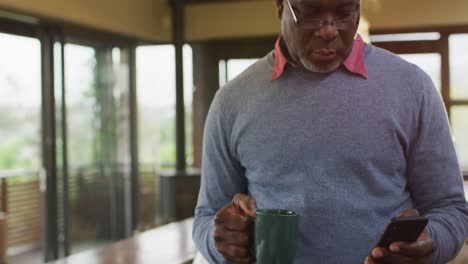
(323, 49)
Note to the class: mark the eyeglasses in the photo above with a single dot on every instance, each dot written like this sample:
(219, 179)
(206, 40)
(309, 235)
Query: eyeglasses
(317, 23)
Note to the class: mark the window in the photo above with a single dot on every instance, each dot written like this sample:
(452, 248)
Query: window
(458, 105)
(156, 99)
(459, 117)
(156, 105)
(20, 103)
(405, 37)
(20, 138)
(233, 67)
(458, 66)
(97, 137)
(188, 99)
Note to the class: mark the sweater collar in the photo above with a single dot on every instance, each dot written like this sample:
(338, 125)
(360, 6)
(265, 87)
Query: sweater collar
(354, 63)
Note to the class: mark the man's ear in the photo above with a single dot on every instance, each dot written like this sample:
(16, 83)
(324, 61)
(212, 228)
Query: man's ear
(279, 8)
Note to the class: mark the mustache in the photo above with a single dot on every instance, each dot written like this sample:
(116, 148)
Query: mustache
(329, 46)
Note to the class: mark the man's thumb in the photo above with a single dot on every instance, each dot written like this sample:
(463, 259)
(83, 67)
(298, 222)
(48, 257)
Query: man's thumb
(245, 203)
(409, 212)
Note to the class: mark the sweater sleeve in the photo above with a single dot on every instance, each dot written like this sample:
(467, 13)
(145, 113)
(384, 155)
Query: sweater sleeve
(435, 179)
(222, 176)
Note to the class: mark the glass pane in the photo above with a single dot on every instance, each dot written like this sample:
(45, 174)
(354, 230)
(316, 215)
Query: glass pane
(20, 142)
(428, 62)
(459, 121)
(155, 66)
(405, 37)
(236, 66)
(222, 73)
(156, 105)
(465, 183)
(97, 109)
(20, 103)
(188, 98)
(458, 66)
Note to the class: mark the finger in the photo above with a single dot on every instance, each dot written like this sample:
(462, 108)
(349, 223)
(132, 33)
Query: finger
(232, 252)
(247, 260)
(240, 239)
(377, 253)
(419, 248)
(245, 203)
(232, 221)
(381, 255)
(369, 260)
(409, 212)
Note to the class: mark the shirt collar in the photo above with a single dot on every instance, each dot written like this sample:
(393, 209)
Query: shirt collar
(354, 63)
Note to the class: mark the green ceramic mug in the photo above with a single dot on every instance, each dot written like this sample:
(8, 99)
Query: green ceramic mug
(275, 236)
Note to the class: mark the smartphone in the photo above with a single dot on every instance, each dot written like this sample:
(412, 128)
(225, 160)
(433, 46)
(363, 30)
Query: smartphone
(406, 229)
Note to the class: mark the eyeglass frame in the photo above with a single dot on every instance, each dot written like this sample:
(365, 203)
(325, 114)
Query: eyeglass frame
(339, 24)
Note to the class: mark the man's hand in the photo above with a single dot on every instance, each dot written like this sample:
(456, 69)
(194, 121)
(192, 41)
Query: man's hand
(419, 252)
(232, 231)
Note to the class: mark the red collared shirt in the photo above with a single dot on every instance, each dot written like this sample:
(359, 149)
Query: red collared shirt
(354, 63)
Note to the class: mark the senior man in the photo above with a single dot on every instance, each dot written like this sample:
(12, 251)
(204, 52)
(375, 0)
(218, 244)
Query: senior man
(346, 134)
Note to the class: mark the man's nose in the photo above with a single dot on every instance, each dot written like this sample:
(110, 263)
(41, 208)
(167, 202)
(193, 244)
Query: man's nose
(327, 32)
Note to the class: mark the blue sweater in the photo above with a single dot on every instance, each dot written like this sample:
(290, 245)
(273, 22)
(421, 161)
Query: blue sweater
(346, 153)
